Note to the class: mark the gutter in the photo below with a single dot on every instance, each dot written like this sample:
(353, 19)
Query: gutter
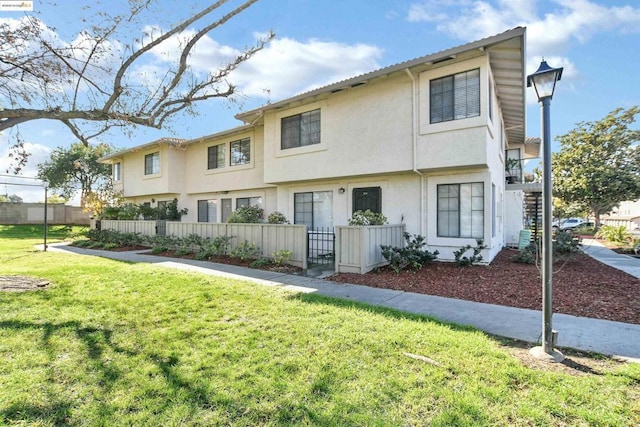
(414, 137)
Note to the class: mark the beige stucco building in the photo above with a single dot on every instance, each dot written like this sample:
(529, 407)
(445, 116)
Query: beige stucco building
(425, 142)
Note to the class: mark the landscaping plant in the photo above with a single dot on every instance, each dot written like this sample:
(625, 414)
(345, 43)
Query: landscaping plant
(476, 257)
(412, 255)
(367, 217)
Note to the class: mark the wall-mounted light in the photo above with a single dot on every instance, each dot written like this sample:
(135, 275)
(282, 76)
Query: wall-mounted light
(153, 200)
(341, 190)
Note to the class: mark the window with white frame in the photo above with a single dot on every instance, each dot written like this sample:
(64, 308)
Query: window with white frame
(152, 163)
(300, 130)
(240, 152)
(455, 97)
(117, 171)
(461, 210)
(215, 156)
(207, 211)
(314, 209)
(242, 202)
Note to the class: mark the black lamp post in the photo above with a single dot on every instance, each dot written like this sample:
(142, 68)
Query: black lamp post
(544, 82)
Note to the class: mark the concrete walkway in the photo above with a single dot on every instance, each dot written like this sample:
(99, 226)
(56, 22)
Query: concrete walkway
(601, 336)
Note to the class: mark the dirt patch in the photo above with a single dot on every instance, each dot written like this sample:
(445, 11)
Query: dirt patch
(21, 284)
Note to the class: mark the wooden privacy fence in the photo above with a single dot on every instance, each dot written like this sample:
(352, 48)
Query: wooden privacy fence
(358, 247)
(268, 237)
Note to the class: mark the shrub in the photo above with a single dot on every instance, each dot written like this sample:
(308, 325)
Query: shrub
(259, 263)
(528, 255)
(217, 247)
(277, 218)
(245, 251)
(367, 218)
(282, 257)
(412, 255)
(565, 244)
(247, 215)
(463, 260)
(128, 211)
(614, 234)
(563, 247)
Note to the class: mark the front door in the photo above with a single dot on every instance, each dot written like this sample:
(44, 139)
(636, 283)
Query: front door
(367, 198)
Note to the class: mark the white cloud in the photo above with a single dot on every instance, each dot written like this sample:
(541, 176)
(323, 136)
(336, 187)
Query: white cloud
(283, 68)
(286, 66)
(550, 35)
(8, 184)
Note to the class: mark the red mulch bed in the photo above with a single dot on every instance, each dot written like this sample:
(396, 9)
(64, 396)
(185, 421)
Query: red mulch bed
(582, 286)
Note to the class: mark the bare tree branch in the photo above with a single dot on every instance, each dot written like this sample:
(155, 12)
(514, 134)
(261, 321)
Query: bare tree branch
(42, 77)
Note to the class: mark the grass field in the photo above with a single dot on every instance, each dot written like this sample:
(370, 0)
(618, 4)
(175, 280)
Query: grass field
(113, 343)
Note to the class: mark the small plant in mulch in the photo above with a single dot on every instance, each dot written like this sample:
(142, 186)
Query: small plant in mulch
(246, 251)
(412, 255)
(463, 260)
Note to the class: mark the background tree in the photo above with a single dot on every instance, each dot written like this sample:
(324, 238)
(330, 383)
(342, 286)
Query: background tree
(56, 198)
(598, 165)
(12, 198)
(76, 168)
(99, 79)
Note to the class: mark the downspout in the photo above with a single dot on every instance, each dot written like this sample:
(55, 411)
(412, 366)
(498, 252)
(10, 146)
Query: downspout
(414, 118)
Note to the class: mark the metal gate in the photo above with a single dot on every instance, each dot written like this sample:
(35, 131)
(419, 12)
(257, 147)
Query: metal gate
(321, 245)
(161, 228)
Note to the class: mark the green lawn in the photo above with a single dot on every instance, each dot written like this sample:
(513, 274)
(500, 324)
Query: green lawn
(111, 343)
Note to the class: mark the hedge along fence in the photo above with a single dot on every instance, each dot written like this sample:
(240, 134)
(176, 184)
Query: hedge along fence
(268, 237)
(358, 247)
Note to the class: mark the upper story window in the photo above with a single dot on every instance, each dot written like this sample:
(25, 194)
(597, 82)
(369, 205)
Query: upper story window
(215, 156)
(240, 152)
(300, 130)
(455, 97)
(117, 171)
(152, 163)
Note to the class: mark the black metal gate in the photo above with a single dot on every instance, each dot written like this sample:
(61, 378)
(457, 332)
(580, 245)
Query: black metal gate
(161, 228)
(321, 245)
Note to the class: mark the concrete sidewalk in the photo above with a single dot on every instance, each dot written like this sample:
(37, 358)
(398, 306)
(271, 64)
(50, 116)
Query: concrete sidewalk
(601, 336)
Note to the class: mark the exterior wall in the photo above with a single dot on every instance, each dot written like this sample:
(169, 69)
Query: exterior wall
(455, 143)
(33, 213)
(200, 179)
(400, 197)
(170, 180)
(364, 131)
(514, 217)
(190, 201)
(447, 245)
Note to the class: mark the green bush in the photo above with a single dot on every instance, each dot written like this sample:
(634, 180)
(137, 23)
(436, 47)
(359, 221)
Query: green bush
(282, 257)
(614, 234)
(245, 251)
(475, 258)
(412, 255)
(247, 215)
(528, 255)
(277, 218)
(367, 218)
(218, 246)
(564, 246)
(259, 263)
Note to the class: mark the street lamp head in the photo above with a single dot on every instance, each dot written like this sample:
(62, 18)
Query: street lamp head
(544, 80)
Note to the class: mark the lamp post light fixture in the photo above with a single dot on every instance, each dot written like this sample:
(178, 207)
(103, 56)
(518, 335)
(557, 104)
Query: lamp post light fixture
(544, 82)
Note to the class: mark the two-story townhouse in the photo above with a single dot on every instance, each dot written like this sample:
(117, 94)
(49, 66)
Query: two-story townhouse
(425, 142)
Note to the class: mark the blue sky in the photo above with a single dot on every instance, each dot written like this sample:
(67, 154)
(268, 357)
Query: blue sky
(319, 42)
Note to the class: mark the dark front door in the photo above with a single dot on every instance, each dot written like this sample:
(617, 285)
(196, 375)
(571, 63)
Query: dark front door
(367, 198)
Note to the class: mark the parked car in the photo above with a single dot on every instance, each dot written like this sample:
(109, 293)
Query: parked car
(571, 223)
